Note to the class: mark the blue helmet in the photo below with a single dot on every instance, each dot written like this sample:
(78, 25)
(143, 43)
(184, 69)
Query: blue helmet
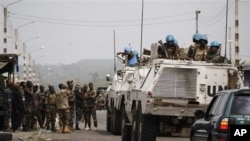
(196, 37)
(169, 38)
(128, 48)
(175, 42)
(214, 44)
(204, 37)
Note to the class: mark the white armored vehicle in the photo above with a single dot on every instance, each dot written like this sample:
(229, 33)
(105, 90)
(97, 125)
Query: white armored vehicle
(162, 96)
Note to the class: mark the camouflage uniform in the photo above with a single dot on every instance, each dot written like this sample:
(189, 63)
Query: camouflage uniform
(79, 105)
(63, 108)
(91, 104)
(30, 104)
(50, 102)
(191, 51)
(200, 53)
(17, 108)
(71, 103)
(41, 113)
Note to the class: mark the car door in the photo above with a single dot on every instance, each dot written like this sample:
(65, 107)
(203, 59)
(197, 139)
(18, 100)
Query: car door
(202, 127)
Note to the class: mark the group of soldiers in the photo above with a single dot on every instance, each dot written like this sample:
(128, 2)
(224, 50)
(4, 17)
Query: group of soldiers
(198, 51)
(30, 105)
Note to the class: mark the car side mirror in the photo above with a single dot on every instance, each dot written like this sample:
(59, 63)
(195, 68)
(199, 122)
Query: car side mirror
(199, 113)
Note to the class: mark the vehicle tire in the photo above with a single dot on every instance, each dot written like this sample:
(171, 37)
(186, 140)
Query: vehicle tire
(116, 122)
(108, 120)
(192, 137)
(147, 127)
(125, 129)
(134, 128)
(5, 136)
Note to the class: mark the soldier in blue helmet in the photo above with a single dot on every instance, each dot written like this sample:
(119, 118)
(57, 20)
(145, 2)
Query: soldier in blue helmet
(201, 50)
(170, 49)
(132, 57)
(213, 54)
(192, 47)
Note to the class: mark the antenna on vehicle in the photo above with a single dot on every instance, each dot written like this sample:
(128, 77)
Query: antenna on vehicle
(114, 54)
(141, 29)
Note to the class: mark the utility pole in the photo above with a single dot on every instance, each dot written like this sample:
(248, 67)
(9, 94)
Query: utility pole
(230, 44)
(5, 12)
(196, 18)
(5, 30)
(237, 59)
(226, 31)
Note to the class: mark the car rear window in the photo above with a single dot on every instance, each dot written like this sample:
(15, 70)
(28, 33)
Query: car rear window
(240, 105)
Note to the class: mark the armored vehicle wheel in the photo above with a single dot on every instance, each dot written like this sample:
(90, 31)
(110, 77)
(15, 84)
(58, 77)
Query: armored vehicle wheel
(116, 122)
(126, 129)
(108, 120)
(134, 128)
(147, 127)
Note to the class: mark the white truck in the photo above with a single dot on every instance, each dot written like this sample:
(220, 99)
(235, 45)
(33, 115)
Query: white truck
(162, 96)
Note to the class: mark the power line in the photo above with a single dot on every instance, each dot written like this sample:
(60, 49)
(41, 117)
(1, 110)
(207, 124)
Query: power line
(217, 17)
(104, 24)
(96, 21)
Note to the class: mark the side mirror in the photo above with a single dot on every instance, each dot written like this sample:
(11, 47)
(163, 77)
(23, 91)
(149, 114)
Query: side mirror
(199, 113)
(108, 78)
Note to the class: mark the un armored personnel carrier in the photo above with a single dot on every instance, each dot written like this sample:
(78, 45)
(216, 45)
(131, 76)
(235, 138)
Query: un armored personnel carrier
(161, 96)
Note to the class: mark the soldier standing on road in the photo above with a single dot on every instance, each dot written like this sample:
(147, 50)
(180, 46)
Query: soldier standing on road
(63, 108)
(29, 105)
(71, 103)
(50, 102)
(35, 109)
(17, 108)
(41, 113)
(21, 90)
(92, 103)
(79, 106)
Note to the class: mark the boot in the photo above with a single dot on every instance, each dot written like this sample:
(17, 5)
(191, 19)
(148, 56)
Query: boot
(60, 129)
(66, 129)
(77, 127)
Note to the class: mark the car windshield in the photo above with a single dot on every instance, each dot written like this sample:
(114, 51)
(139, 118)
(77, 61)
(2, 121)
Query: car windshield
(241, 105)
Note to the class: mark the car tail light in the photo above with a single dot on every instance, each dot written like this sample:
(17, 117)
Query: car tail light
(222, 139)
(224, 124)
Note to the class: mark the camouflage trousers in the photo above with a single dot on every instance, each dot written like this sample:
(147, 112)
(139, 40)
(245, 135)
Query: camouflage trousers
(64, 117)
(41, 115)
(93, 113)
(88, 113)
(79, 114)
(29, 119)
(72, 114)
(51, 117)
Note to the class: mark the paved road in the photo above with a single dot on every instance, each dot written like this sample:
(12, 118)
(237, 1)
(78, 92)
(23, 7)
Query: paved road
(99, 135)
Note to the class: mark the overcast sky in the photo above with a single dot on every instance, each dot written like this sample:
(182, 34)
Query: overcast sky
(73, 30)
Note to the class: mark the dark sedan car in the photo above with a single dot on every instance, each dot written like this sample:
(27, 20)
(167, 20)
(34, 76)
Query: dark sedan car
(227, 110)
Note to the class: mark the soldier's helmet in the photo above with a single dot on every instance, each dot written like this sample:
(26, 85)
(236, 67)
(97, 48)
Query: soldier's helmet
(127, 48)
(170, 38)
(196, 37)
(214, 44)
(204, 37)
